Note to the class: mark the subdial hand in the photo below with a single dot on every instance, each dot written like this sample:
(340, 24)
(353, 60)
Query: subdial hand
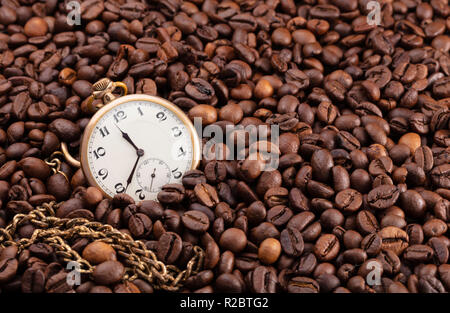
(153, 177)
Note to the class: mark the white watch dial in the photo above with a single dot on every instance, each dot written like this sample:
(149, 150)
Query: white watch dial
(137, 147)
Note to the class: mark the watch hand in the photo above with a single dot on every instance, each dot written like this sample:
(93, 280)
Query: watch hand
(153, 177)
(130, 178)
(127, 138)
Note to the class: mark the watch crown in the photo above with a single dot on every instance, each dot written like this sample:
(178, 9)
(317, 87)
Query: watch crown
(101, 85)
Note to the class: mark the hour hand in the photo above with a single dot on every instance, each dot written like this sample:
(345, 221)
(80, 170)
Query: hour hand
(127, 138)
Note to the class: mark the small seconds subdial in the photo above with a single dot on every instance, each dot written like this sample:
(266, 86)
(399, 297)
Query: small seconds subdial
(152, 174)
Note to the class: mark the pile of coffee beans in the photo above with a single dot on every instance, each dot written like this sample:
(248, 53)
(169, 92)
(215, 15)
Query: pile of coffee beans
(360, 201)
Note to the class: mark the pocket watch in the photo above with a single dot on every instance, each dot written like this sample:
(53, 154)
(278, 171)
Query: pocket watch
(135, 143)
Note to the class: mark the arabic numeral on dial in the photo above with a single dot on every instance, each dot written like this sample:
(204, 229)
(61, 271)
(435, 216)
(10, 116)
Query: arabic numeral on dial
(161, 116)
(104, 131)
(103, 173)
(140, 194)
(176, 131)
(99, 152)
(181, 152)
(176, 173)
(119, 188)
(120, 115)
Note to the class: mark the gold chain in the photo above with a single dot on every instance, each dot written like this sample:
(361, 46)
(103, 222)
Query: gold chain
(55, 163)
(141, 262)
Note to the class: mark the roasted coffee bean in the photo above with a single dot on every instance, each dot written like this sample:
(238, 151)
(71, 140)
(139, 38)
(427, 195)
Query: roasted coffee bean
(108, 272)
(383, 197)
(366, 222)
(98, 252)
(440, 253)
(348, 200)
(430, 284)
(301, 284)
(413, 203)
(372, 244)
(380, 166)
(206, 194)
(193, 177)
(171, 193)
(195, 221)
(169, 247)
(418, 253)
(439, 176)
(58, 282)
(200, 280)
(269, 251)
(228, 283)
(279, 215)
(263, 280)
(8, 269)
(292, 242)
(322, 163)
(327, 247)
(33, 281)
(233, 239)
(140, 225)
(394, 239)
(319, 190)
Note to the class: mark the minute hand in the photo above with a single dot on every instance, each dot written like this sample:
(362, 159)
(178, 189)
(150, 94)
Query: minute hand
(130, 178)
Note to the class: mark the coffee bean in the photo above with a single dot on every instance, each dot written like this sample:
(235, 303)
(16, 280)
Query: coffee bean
(440, 253)
(195, 221)
(412, 140)
(366, 222)
(58, 283)
(169, 247)
(383, 197)
(372, 244)
(140, 225)
(233, 239)
(327, 247)
(413, 203)
(263, 280)
(98, 252)
(228, 283)
(292, 242)
(8, 269)
(108, 272)
(322, 162)
(171, 193)
(439, 176)
(279, 215)
(36, 26)
(206, 194)
(423, 156)
(418, 253)
(348, 200)
(429, 284)
(393, 238)
(269, 251)
(301, 284)
(33, 281)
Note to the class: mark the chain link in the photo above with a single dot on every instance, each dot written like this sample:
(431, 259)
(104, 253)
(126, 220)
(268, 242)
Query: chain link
(140, 262)
(55, 163)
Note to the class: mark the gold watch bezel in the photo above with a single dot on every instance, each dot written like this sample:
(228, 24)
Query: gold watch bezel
(196, 153)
